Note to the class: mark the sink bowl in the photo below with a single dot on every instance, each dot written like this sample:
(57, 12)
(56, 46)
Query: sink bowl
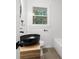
(29, 39)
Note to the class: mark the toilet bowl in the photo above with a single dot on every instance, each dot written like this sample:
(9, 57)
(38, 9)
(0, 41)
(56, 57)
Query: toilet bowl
(41, 43)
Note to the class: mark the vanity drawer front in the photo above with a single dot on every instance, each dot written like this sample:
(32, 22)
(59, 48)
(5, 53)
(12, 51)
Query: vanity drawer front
(30, 53)
(30, 57)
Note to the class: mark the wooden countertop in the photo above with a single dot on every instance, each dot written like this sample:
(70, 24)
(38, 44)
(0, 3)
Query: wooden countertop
(30, 48)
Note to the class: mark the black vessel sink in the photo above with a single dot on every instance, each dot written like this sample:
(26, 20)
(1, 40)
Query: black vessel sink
(29, 39)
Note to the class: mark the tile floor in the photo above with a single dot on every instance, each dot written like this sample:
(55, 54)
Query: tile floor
(50, 53)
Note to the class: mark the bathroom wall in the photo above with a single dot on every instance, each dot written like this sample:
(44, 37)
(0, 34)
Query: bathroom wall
(27, 12)
(56, 25)
(17, 19)
(55, 20)
(38, 29)
(17, 26)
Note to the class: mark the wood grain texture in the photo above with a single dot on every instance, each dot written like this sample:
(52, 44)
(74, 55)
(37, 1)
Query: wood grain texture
(30, 48)
(30, 52)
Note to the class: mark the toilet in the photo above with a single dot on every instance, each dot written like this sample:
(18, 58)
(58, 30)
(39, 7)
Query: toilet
(41, 46)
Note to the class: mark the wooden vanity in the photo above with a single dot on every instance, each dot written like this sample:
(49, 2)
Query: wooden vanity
(30, 52)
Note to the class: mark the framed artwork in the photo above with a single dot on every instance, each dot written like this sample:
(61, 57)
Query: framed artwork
(39, 15)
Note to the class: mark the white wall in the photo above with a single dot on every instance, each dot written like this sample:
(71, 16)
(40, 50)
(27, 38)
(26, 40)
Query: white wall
(56, 25)
(17, 19)
(27, 12)
(27, 16)
(55, 19)
(17, 26)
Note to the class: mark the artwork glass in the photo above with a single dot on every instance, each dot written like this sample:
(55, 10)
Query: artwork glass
(39, 15)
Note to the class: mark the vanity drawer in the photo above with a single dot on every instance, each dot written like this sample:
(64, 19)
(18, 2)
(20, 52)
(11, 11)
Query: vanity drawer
(33, 52)
(30, 54)
(30, 58)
